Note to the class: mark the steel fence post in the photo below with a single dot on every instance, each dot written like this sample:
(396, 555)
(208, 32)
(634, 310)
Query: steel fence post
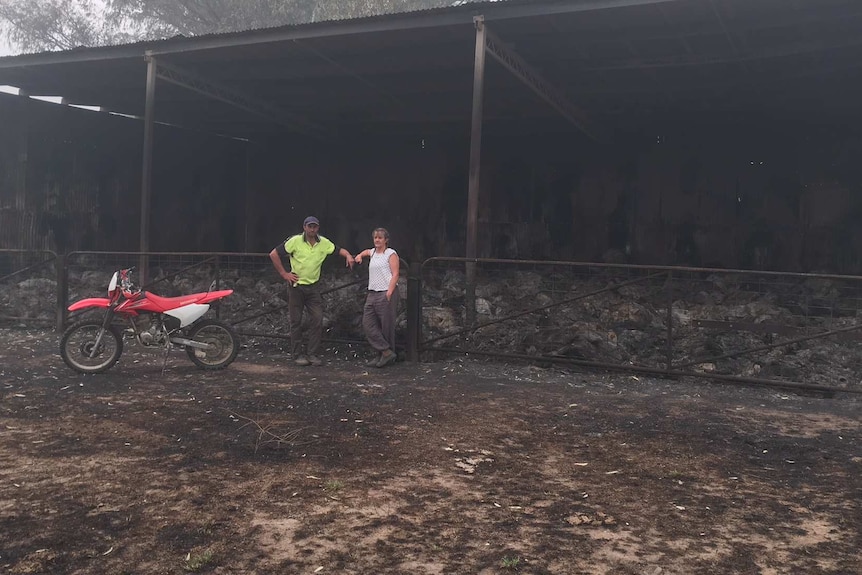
(669, 350)
(62, 287)
(217, 281)
(414, 311)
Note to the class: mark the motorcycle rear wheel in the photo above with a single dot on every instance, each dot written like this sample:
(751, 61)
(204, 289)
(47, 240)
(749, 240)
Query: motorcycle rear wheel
(223, 342)
(78, 342)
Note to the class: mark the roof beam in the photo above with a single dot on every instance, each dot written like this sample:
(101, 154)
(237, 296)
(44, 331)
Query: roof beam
(798, 49)
(347, 72)
(191, 81)
(534, 80)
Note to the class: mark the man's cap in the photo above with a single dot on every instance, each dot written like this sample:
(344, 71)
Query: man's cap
(311, 220)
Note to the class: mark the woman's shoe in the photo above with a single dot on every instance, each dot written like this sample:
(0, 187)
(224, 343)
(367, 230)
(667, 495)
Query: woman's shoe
(386, 358)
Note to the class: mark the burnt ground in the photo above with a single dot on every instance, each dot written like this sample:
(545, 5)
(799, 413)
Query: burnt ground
(455, 466)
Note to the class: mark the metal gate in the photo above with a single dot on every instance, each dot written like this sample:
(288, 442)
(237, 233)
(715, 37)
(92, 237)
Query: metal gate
(29, 287)
(790, 330)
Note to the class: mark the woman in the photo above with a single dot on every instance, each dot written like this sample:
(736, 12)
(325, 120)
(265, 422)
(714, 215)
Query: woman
(381, 305)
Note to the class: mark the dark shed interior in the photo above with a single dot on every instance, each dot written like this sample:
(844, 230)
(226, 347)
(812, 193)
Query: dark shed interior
(718, 132)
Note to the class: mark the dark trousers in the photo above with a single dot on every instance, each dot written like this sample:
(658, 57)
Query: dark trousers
(299, 298)
(378, 320)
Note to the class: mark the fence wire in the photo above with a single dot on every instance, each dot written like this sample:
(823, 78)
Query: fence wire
(28, 288)
(726, 324)
(760, 326)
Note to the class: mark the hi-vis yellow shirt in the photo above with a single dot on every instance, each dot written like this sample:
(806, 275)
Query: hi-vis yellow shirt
(306, 259)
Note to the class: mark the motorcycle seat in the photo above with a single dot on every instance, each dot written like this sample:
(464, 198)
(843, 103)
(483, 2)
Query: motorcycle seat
(169, 303)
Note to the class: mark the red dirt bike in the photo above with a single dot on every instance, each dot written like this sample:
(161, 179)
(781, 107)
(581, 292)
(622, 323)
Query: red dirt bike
(94, 346)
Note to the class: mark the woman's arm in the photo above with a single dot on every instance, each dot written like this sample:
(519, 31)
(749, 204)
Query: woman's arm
(394, 267)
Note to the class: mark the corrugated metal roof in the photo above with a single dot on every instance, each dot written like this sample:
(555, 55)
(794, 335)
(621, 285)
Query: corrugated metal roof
(465, 6)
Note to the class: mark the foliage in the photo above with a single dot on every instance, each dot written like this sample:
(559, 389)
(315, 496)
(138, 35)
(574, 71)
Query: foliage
(198, 561)
(166, 18)
(510, 562)
(56, 24)
(35, 25)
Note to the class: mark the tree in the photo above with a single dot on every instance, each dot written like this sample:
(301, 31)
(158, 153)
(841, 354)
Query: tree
(167, 18)
(36, 25)
(338, 9)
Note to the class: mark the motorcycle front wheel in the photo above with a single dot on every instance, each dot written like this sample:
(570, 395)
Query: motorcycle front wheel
(223, 345)
(78, 347)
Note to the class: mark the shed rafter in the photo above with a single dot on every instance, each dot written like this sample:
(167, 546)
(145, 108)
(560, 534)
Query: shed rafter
(538, 84)
(187, 79)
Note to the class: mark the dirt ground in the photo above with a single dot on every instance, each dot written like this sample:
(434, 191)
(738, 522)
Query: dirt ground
(457, 466)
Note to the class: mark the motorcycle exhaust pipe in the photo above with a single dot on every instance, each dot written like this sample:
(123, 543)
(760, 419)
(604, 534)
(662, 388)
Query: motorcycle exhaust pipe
(190, 343)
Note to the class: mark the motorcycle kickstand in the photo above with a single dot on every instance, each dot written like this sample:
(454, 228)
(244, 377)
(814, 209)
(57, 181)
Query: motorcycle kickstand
(165, 362)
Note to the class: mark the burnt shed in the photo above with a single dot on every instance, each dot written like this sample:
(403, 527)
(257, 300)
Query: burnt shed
(706, 132)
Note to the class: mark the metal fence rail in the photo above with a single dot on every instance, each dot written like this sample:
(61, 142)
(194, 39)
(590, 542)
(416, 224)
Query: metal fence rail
(790, 330)
(775, 328)
(28, 287)
(172, 274)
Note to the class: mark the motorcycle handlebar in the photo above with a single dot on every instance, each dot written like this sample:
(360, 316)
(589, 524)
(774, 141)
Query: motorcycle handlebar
(125, 280)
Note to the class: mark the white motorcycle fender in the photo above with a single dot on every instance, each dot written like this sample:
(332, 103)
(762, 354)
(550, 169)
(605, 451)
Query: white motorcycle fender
(188, 314)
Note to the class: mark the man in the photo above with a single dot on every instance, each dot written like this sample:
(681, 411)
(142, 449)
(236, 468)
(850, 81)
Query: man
(307, 251)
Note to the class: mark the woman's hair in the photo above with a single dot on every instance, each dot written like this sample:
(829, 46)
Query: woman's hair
(383, 232)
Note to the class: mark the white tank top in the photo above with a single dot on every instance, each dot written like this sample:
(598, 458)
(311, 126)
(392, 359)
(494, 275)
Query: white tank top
(379, 272)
